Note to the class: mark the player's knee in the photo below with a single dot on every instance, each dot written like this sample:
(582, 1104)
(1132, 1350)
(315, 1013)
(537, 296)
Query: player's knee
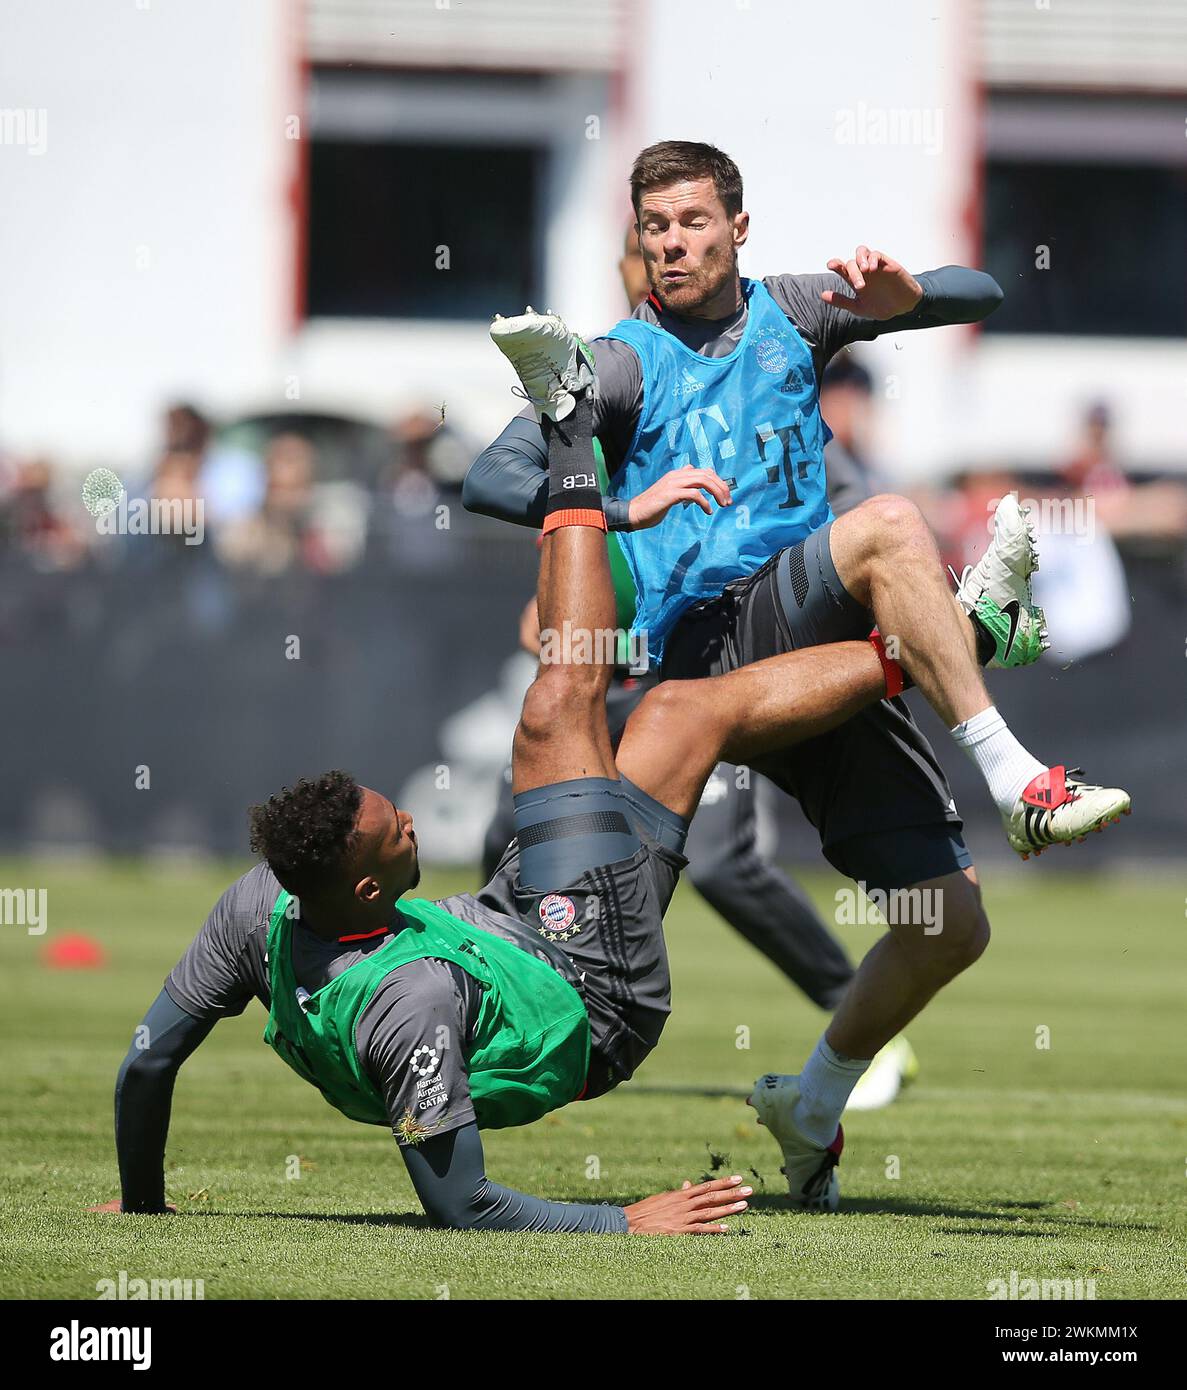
(542, 713)
(677, 710)
(965, 932)
(558, 696)
(890, 524)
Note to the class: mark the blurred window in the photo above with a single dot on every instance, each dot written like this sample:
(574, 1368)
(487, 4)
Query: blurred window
(1101, 183)
(426, 190)
(381, 217)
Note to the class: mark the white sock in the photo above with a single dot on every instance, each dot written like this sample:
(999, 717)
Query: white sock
(826, 1083)
(1006, 766)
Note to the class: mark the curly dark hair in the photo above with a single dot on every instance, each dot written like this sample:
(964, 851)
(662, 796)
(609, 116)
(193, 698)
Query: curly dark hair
(306, 833)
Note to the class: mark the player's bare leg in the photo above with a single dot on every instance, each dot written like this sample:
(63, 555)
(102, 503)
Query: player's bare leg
(887, 559)
(911, 963)
(563, 733)
(683, 729)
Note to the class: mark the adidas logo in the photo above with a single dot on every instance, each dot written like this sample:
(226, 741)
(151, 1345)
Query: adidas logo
(689, 386)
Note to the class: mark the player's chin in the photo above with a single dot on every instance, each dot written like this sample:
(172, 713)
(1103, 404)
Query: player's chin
(681, 292)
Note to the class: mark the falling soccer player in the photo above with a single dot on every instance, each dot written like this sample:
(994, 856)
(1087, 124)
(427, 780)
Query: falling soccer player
(441, 1018)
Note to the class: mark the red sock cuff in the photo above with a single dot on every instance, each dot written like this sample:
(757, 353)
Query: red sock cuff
(892, 671)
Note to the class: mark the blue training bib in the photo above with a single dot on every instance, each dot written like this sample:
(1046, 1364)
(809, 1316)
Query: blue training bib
(753, 417)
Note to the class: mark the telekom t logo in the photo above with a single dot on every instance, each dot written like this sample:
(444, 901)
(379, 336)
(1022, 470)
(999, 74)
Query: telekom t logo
(700, 438)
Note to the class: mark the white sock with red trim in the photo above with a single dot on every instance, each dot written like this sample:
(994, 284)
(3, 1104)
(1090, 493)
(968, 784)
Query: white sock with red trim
(1007, 767)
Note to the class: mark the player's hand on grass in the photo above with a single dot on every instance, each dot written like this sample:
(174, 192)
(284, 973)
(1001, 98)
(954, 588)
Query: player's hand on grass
(117, 1206)
(882, 289)
(687, 484)
(690, 1211)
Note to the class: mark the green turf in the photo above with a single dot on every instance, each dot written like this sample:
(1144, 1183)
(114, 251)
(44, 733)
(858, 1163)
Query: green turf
(1060, 1163)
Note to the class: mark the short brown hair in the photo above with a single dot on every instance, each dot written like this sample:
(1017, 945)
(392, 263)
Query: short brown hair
(674, 161)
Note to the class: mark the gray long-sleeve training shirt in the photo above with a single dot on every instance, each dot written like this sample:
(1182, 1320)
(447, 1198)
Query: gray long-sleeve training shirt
(509, 479)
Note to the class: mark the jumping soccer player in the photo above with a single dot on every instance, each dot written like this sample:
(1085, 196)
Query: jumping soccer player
(724, 370)
(729, 859)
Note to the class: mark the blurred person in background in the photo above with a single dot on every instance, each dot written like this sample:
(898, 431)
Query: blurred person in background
(230, 480)
(415, 490)
(282, 535)
(1094, 468)
(847, 406)
(415, 497)
(1092, 465)
(31, 523)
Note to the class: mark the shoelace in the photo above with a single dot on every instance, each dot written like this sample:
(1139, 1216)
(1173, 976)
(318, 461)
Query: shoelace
(961, 580)
(1075, 788)
(531, 365)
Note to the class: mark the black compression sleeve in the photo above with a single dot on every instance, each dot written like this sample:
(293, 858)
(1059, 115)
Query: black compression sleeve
(449, 1175)
(509, 480)
(144, 1096)
(951, 294)
(574, 494)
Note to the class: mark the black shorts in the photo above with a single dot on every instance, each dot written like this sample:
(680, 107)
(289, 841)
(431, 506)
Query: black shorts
(608, 923)
(872, 787)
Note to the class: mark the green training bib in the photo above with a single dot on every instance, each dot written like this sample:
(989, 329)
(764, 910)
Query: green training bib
(530, 1052)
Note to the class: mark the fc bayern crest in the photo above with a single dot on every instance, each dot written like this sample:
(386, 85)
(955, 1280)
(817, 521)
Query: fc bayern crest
(772, 356)
(558, 916)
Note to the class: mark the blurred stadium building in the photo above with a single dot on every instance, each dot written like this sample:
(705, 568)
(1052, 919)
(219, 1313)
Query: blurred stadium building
(300, 214)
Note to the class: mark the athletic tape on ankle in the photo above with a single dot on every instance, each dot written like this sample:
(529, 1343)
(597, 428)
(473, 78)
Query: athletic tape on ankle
(891, 670)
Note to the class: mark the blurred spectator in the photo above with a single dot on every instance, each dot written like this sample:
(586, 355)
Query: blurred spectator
(1126, 510)
(847, 407)
(414, 490)
(1093, 465)
(31, 522)
(431, 458)
(282, 534)
(229, 480)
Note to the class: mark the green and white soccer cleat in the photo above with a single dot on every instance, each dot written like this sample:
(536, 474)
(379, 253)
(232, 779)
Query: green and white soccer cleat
(996, 590)
(550, 360)
(1056, 809)
(894, 1067)
(811, 1171)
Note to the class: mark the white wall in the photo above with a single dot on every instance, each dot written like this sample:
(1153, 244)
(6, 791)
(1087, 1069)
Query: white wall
(165, 142)
(767, 82)
(165, 139)
(166, 131)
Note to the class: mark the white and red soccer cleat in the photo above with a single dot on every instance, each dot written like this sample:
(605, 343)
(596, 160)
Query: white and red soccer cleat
(1056, 808)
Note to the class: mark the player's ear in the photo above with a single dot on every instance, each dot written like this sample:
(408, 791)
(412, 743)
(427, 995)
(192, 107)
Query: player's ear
(367, 889)
(741, 228)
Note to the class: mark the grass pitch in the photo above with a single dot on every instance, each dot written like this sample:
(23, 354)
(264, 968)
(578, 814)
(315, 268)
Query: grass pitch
(1062, 1162)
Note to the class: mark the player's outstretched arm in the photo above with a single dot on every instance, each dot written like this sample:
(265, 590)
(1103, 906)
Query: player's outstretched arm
(143, 1098)
(449, 1175)
(872, 285)
(509, 479)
